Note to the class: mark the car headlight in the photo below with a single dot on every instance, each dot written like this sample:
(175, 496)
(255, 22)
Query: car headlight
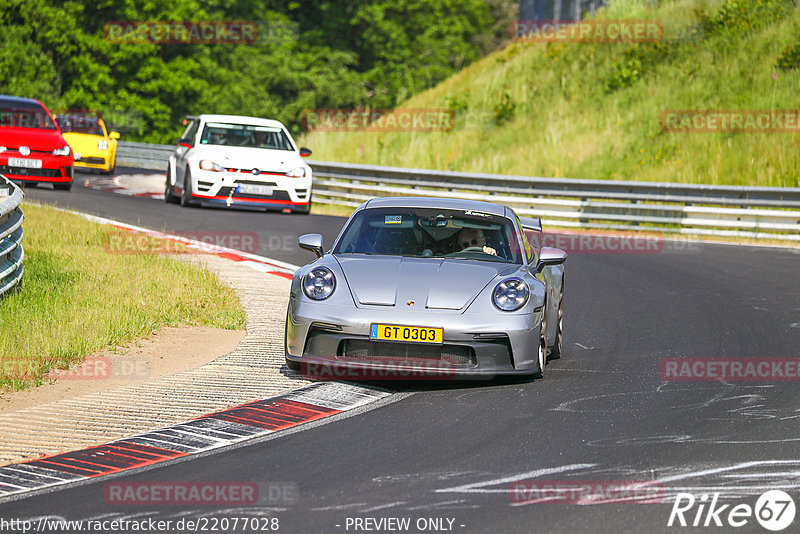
(63, 151)
(510, 294)
(102, 144)
(299, 172)
(208, 165)
(319, 283)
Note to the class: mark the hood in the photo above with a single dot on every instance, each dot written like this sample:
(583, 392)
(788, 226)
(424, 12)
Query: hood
(41, 140)
(262, 159)
(432, 283)
(83, 143)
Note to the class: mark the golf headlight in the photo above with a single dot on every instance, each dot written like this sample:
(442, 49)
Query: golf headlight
(319, 283)
(63, 151)
(208, 165)
(102, 144)
(299, 172)
(511, 294)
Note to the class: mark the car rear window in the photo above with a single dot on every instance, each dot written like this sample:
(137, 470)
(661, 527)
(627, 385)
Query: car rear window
(79, 124)
(24, 115)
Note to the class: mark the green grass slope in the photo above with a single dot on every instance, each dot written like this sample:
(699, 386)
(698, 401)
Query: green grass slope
(593, 110)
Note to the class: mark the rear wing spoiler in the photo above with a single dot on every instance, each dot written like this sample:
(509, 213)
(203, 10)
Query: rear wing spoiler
(531, 223)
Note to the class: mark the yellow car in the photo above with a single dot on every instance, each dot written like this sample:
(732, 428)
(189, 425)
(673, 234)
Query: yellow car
(94, 147)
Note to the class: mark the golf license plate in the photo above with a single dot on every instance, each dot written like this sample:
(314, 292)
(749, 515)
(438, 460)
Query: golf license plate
(27, 163)
(413, 334)
(249, 189)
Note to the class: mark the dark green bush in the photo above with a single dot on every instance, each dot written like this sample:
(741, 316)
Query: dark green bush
(789, 58)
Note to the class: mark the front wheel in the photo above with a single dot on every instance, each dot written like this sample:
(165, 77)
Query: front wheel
(555, 352)
(186, 194)
(541, 356)
(169, 192)
(63, 187)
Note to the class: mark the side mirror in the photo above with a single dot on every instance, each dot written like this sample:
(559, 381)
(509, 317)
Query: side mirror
(305, 152)
(113, 135)
(185, 141)
(550, 256)
(312, 242)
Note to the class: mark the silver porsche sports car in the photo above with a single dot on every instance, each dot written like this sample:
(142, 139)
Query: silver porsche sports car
(427, 287)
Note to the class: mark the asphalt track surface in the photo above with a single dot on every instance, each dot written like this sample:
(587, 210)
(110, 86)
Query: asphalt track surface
(602, 413)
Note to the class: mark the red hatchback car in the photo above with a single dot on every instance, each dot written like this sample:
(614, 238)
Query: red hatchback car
(31, 146)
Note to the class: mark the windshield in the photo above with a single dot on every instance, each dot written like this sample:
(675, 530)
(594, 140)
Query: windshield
(24, 115)
(427, 232)
(80, 124)
(245, 135)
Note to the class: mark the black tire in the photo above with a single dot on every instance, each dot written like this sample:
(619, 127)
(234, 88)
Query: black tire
(63, 187)
(542, 354)
(169, 192)
(186, 194)
(293, 365)
(113, 167)
(555, 351)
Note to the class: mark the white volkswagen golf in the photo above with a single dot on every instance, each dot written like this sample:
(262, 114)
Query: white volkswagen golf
(230, 160)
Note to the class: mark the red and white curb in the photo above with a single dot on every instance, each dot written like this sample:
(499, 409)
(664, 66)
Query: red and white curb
(254, 261)
(211, 431)
(113, 185)
(208, 432)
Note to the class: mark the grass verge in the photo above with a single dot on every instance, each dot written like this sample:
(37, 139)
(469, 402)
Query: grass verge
(594, 110)
(79, 295)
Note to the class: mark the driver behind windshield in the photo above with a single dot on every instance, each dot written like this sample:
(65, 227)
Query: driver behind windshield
(474, 238)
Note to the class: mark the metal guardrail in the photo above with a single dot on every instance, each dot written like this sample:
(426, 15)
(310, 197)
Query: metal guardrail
(11, 253)
(757, 212)
(144, 155)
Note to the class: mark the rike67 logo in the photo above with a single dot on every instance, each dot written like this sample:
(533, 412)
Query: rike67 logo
(774, 510)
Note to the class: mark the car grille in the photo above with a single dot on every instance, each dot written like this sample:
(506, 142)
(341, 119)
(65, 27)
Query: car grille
(94, 161)
(261, 171)
(400, 353)
(24, 171)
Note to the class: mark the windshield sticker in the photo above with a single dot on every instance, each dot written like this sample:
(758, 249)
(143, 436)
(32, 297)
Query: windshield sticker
(393, 219)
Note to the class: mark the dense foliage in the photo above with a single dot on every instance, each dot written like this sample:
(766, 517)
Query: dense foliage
(597, 110)
(346, 53)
